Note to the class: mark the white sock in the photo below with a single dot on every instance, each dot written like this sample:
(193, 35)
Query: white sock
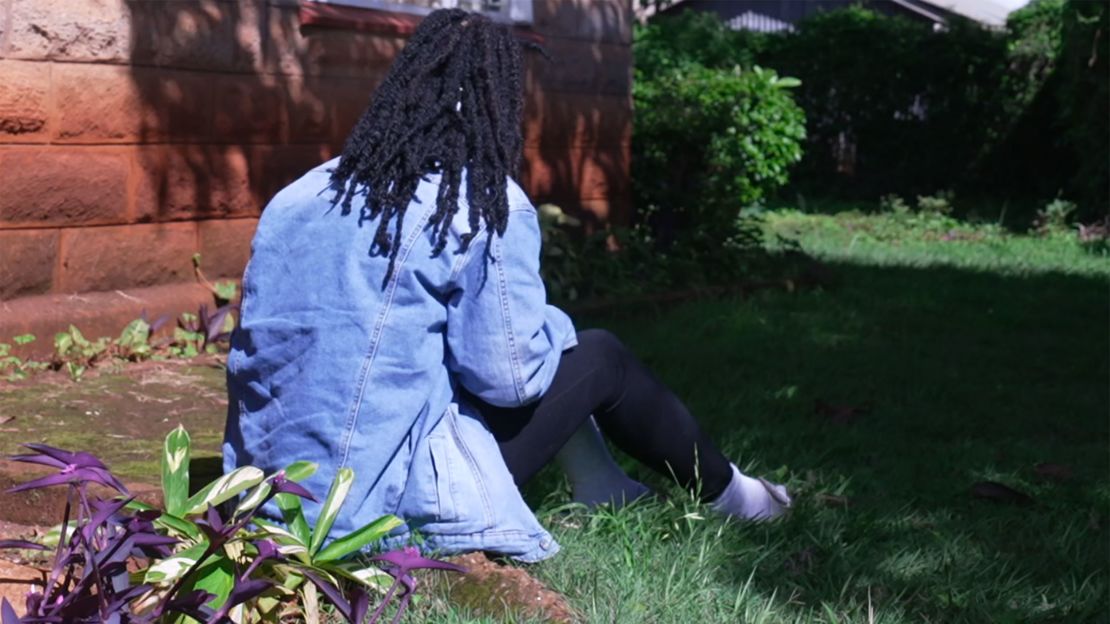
(752, 499)
(595, 478)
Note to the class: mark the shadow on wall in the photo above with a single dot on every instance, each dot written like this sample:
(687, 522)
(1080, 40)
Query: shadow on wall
(235, 100)
(578, 110)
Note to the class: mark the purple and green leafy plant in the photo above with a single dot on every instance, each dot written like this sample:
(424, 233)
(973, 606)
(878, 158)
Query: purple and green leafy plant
(119, 560)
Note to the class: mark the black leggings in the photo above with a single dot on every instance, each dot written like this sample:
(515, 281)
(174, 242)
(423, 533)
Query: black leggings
(636, 411)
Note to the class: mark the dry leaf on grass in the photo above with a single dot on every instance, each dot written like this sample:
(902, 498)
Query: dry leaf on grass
(1054, 472)
(999, 493)
(840, 414)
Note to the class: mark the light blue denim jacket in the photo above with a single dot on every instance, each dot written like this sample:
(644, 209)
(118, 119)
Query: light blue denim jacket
(329, 366)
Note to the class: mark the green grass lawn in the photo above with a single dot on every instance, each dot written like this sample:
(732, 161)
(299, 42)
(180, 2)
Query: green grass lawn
(978, 357)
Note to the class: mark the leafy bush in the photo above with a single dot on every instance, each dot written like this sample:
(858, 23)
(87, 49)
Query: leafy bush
(710, 141)
(939, 204)
(1054, 217)
(893, 106)
(118, 560)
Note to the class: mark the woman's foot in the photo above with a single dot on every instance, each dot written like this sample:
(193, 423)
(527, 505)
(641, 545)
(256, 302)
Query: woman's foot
(750, 498)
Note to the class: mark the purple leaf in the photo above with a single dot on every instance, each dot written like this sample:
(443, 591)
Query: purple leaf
(34, 602)
(7, 612)
(103, 512)
(153, 539)
(159, 323)
(282, 485)
(245, 590)
(82, 460)
(122, 598)
(334, 596)
(73, 474)
(38, 459)
(242, 592)
(213, 526)
(360, 604)
(266, 550)
(191, 604)
(216, 323)
(21, 544)
(409, 559)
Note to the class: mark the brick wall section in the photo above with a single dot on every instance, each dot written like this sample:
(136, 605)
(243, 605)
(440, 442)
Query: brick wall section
(134, 133)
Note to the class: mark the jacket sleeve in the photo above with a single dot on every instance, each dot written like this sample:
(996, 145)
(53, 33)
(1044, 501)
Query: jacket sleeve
(503, 341)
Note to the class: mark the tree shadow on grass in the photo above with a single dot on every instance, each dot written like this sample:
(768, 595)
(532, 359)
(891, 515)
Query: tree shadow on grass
(966, 377)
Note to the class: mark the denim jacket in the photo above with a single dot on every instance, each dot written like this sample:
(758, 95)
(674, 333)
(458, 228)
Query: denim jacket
(331, 366)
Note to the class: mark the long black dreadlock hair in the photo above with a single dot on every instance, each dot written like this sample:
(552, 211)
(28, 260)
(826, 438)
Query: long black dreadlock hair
(453, 99)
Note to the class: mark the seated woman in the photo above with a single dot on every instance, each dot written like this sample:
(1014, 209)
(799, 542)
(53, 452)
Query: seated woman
(394, 322)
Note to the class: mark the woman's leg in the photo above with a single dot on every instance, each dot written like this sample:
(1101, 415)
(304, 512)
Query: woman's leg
(636, 411)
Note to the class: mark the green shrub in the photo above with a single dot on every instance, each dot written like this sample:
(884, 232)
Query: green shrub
(892, 106)
(710, 141)
(1055, 216)
(938, 204)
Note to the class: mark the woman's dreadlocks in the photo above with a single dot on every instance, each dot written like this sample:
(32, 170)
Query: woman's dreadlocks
(452, 101)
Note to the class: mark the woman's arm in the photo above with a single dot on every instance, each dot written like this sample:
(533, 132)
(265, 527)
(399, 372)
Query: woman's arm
(503, 340)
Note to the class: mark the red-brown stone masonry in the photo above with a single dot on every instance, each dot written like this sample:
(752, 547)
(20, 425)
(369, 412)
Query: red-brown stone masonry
(27, 260)
(213, 36)
(248, 108)
(324, 109)
(99, 103)
(291, 50)
(577, 173)
(589, 20)
(24, 102)
(44, 186)
(5, 25)
(554, 119)
(274, 167)
(129, 256)
(72, 30)
(225, 246)
(177, 182)
(581, 67)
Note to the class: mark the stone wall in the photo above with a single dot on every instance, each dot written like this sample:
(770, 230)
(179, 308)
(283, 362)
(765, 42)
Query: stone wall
(134, 133)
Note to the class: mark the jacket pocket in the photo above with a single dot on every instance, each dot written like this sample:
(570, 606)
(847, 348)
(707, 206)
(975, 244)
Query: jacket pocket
(462, 499)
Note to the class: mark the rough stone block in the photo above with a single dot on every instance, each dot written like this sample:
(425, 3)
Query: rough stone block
(273, 168)
(580, 67)
(116, 104)
(576, 173)
(249, 108)
(325, 108)
(591, 20)
(326, 52)
(70, 30)
(607, 20)
(221, 36)
(572, 119)
(130, 256)
(177, 182)
(102, 103)
(27, 259)
(24, 103)
(5, 27)
(556, 18)
(48, 186)
(225, 246)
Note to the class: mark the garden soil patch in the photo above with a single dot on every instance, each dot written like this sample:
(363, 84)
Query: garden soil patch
(122, 417)
(503, 592)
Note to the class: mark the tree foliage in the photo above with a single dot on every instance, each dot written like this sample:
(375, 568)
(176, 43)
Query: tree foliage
(894, 106)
